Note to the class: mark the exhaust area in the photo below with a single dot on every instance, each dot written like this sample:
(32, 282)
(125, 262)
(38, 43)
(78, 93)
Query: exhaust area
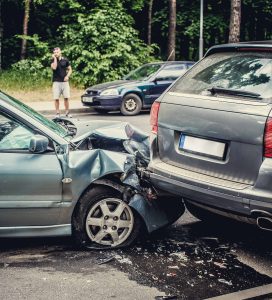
(264, 223)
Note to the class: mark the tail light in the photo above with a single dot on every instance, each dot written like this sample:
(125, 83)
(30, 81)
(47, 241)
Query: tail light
(268, 138)
(154, 117)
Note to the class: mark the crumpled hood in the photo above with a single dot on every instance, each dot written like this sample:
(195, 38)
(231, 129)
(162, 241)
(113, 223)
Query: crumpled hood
(86, 128)
(113, 135)
(111, 84)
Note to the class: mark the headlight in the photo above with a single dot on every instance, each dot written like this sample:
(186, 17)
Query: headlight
(110, 92)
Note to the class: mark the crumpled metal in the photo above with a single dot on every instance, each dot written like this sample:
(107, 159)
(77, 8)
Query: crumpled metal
(116, 148)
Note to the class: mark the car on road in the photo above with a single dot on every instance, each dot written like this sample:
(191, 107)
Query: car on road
(137, 90)
(83, 178)
(212, 135)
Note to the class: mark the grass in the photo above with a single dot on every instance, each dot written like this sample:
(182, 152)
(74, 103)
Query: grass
(31, 88)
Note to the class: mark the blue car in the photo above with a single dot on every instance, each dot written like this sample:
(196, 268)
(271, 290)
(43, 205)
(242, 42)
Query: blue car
(139, 89)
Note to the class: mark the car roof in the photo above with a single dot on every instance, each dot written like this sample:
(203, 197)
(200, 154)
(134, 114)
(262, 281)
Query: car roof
(243, 46)
(171, 62)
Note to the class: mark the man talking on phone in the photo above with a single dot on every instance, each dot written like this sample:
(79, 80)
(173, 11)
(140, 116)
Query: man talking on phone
(61, 72)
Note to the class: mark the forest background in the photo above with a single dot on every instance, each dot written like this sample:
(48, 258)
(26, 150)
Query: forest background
(105, 39)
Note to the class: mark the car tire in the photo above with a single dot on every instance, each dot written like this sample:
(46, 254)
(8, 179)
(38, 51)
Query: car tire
(131, 105)
(96, 223)
(101, 110)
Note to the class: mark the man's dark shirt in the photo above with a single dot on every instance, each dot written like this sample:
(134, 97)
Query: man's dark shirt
(61, 71)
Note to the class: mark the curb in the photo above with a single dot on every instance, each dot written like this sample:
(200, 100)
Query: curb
(72, 110)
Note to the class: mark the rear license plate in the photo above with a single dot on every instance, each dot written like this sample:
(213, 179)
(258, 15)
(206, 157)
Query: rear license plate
(202, 146)
(87, 99)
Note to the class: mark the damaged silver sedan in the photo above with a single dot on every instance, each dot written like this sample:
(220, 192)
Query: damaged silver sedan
(69, 177)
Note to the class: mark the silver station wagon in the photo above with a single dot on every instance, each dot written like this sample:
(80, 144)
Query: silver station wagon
(212, 135)
(76, 177)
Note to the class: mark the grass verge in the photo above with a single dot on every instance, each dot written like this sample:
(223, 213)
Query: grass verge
(31, 88)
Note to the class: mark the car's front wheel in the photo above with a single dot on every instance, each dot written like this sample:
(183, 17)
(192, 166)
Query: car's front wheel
(131, 105)
(103, 219)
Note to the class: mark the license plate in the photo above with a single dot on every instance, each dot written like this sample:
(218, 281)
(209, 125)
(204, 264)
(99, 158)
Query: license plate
(87, 99)
(202, 146)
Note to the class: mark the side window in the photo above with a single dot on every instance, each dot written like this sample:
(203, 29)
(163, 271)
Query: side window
(171, 72)
(13, 135)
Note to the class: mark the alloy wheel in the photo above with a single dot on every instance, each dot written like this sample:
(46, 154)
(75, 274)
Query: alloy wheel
(109, 222)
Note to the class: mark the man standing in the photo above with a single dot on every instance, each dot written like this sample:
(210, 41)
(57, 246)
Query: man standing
(61, 72)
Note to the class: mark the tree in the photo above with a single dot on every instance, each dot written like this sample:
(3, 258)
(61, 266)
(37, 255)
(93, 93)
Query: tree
(235, 21)
(25, 28)
(149, 25)
(103, 45)
(172, 30)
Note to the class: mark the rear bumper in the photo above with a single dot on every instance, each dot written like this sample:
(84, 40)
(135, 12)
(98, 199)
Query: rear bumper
(102, 102)
(239, 199)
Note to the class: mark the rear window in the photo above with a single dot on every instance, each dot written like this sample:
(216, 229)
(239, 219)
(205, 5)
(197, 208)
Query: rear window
(246, 71)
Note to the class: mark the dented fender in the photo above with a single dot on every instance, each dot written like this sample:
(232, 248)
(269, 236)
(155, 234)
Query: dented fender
(153, 216)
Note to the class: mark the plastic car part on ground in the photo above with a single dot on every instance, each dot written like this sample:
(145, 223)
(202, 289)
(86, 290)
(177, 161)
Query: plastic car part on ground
(117, 154)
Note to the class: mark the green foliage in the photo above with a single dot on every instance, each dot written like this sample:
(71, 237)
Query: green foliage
(102, 45)
(31, 68)
(104, 39)
(36, 48)
(19, 80)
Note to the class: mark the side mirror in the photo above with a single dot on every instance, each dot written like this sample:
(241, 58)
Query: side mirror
(160, 79)
(38, 144)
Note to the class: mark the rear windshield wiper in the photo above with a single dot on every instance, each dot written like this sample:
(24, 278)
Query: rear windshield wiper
(218, 90)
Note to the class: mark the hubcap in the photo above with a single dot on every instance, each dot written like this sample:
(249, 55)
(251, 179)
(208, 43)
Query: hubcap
(130, 104)
(109, 222)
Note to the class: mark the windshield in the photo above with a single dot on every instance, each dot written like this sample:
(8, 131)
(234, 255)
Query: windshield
(35, 115)
(143, 72)
(249, 71)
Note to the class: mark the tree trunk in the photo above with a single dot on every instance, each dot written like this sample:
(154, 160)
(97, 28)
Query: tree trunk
(1, 36)
(172, 30)
(149, 25)
(235, 21)
(25, 28)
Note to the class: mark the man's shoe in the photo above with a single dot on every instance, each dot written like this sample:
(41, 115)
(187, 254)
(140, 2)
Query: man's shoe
(57, 116)
(68, 115)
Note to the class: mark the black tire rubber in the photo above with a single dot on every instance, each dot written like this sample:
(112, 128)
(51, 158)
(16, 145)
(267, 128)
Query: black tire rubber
(138, 108)
(173, 207)
(91, 197)
(205, 215)
(101, 110)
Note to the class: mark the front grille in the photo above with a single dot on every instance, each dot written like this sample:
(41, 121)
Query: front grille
(92, 92)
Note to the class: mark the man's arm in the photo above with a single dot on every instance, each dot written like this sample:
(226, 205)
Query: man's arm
(69, 69)
(54, 64)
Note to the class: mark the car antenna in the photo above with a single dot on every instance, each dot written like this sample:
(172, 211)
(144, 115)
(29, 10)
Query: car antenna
(170, 55)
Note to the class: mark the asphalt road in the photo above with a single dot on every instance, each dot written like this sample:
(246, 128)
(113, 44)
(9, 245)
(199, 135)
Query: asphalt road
(189, 260)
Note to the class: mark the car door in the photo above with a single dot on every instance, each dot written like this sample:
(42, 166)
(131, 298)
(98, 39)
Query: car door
(163, 79)
(30, 184)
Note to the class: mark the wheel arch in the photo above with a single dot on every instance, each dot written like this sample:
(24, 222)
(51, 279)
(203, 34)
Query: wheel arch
(152, 215)
(107, 180)
(135, 92)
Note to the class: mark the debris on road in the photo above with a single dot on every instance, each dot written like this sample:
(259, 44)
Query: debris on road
(166, 297)
(105, 260)
(225, 281)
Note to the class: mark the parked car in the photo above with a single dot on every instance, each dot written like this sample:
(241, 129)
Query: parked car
(212, 135)
(139, 89)
(76, 177)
